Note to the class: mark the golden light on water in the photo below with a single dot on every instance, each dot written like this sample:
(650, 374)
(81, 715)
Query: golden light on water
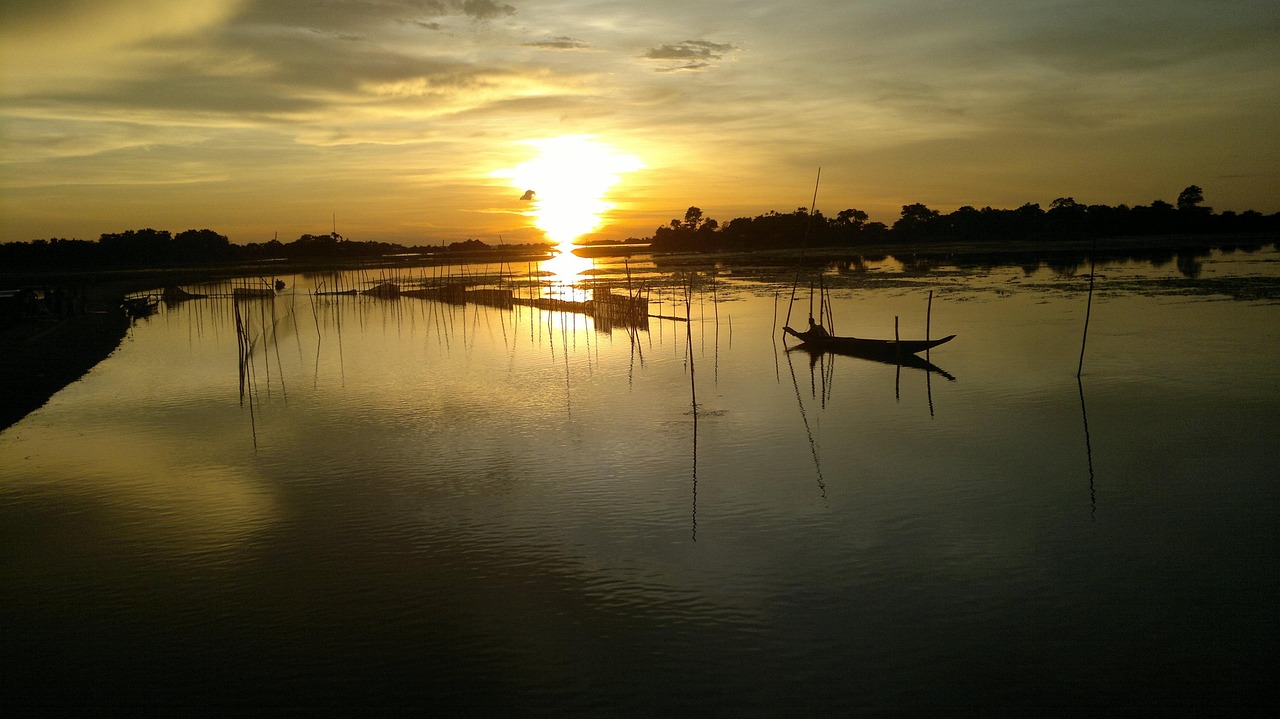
(567, 270)
(566, 184)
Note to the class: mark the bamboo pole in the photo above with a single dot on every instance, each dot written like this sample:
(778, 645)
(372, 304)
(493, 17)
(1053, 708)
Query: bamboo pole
(928, 315)
(803, 246)
(1088, 308)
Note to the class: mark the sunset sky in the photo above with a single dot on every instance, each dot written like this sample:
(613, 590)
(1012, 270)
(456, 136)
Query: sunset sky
(409, 120)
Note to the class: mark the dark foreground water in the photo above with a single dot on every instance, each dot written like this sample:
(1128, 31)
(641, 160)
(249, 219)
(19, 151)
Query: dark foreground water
(470, 509)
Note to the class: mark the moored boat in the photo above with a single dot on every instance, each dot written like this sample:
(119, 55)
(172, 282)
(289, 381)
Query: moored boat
(250, 293)
(817, 338)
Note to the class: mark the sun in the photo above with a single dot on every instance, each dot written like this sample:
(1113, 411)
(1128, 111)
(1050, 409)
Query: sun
(566, 184)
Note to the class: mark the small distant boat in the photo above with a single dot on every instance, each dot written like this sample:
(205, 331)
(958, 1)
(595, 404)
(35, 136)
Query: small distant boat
(819, 339)
(385, 290)
(174, 294)
(139, 307)
(246, 293)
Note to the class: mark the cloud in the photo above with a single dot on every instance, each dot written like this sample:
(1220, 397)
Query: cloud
(366, 14)
(559, 43)
(691, 67)
(486, 9)
(80, 42)
(702, 51)
(257, 66)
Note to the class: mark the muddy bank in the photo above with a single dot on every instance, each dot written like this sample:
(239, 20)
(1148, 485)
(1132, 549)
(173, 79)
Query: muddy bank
(41, 355)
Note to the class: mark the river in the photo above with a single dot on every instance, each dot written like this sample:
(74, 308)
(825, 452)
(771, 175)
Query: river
(312, 500)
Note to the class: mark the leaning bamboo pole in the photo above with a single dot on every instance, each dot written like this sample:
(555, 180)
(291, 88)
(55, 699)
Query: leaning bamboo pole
(1088, 308)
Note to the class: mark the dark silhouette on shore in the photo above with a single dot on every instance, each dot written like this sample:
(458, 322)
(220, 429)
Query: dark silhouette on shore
(920, 225)
(918, 229)
(160, 248)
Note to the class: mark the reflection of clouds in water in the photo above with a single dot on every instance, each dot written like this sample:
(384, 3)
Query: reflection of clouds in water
(159, 485)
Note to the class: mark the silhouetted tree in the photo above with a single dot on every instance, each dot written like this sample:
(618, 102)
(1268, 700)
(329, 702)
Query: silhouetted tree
(1066, 217)
(966, 221)
(851, 218)
(201, 245)
(692, 218)
(1191, 198)
(137, 247)
(917, 221)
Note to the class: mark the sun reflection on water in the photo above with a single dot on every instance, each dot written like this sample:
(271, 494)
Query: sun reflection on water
(564, 275)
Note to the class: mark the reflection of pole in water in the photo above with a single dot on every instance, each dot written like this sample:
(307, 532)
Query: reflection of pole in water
(243, 350)
(693, 399)
(897, 377)
(240, 352)
(688, 300)
(695, 472)
(1088, 450)
(564, 349)
(342, 367)
(275, 342)
(777, 368)
(315, 315)
(297, 330)
(928, 384)
(804, 417)
(828, 377)
(715, 305)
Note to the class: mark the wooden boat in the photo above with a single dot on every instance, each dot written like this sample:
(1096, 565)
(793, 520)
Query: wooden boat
(818, 339)
(252, 293)
(174, 294)
(385, 290)
(906, 359)
(139, 307)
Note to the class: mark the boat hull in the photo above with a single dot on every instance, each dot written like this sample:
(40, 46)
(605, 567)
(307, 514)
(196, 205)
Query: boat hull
(865, 347)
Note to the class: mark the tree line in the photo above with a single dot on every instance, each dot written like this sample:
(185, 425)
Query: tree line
(161, 248)
(918, 225)
(1065, 218)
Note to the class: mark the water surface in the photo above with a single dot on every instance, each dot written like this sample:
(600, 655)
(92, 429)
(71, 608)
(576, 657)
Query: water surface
(408, 502)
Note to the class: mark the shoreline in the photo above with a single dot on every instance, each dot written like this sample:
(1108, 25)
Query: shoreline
(41, 356)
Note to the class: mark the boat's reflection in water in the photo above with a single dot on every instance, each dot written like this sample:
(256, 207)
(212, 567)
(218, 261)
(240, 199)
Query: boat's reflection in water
(903, 359)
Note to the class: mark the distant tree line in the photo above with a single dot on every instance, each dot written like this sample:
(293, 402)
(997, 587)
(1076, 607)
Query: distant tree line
(918, 224)
(159, 248)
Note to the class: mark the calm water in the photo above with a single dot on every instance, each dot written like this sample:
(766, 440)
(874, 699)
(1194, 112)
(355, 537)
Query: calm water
(406, 502)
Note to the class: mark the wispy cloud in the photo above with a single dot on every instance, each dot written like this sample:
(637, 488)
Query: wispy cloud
(689, 54)
(486, 9)
(369, 13)
(559, 43)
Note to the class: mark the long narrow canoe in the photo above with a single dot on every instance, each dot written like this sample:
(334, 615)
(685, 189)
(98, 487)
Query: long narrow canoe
(865, 347)
(907, 360)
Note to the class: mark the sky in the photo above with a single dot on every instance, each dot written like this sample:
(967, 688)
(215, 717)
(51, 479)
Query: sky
(419, 121)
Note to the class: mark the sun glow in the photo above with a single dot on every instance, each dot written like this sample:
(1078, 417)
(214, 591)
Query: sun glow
(567, 182)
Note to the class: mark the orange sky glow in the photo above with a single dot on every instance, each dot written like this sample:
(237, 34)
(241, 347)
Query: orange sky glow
(421, 121)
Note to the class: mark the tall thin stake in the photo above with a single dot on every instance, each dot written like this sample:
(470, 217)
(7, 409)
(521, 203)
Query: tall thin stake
(803, 246)
(928, 315)
(1088, 308)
